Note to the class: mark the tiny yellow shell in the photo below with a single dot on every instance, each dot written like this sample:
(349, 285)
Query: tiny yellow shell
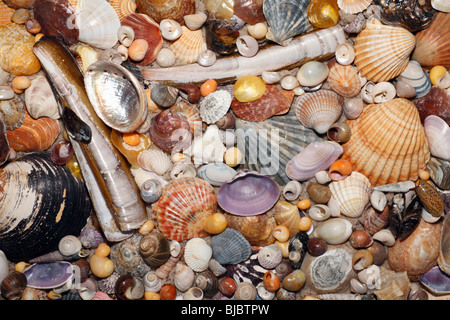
(102, 250)
(147, 227)
(21, 266)
(304, 224)
(281, 233)
(304, 204)
(249, 88)
(284, 246)
(232, 157)
(101, 267)
(152, 296)
(215, 223)
(20, 83)
(436, 73)
(131, 138)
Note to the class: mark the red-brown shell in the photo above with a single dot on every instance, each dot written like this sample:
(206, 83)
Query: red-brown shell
(436, 102)
(145, 28)
(273, 102)
(183, 206)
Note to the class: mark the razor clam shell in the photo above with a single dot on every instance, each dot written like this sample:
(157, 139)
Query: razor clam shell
(312, 45)
(404, 186)
(269, 145)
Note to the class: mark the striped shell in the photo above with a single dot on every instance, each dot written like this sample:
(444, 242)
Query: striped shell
(416, 77)
(388, 142)
(432, 48)
(352, 194)
(5, 13)
(343, 80)
(230, 247)
(154, 160)
(183, 206)
(287, 214)
(381, 51)
(123, 8)
(318, 110)
(353, 6)
(188, 47)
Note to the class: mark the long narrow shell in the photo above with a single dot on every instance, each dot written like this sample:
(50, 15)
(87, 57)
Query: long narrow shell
(183, 206)
(352, 194)
(388, 143)
(188, 47)
(353, 6)
(381, 51)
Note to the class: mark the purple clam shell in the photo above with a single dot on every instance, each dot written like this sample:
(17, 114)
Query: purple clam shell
(248, 193)
(437, 281)
(48, 275)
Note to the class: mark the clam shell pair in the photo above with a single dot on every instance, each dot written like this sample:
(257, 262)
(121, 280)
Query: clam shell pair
(388, 142)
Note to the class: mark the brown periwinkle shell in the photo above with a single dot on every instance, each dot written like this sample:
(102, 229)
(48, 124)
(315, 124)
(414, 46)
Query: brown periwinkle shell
(283, 269)
(129, 287)
(226, 122)
(84, 267)
(13, 285)
(360, 239)
(316, 246)
(339, 132)
(164, 96)
(190, 92)
(208, 282)
(379, 252)
(155, 249)
(319, 193)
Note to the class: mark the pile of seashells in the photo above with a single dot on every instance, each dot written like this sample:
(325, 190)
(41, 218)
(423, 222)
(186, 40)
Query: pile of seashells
(224, 149)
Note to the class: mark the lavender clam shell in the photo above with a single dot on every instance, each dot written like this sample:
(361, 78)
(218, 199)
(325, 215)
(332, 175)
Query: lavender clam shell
(317, 156)
(248, 193)
(435, 280)
(49, 275)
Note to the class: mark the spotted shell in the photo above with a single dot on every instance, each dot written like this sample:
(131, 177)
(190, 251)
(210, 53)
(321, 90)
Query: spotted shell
(344, 80)
(189, 45)
(183, 206)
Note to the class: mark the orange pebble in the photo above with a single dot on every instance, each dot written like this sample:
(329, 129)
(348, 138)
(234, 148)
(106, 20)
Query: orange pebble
(38, 36)
(20, 83)
(340, 169)
(304, 204)
(208, 87)
(131, 138)
(304, 224)
(424, 175)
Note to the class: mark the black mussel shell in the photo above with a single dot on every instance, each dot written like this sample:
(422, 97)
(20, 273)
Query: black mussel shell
(76, 128)
(402, 224)
(298, 247)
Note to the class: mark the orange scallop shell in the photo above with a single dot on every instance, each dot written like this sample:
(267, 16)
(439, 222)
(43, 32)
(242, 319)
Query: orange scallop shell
(189, 45)
(273, 102)
(343, 80)
(5, 13)
(388, 143)
(34, 135)
(433, 43)
(184, 205)
(123, 8)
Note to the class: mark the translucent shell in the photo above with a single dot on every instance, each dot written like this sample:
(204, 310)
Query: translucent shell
(388, 143)
(249, 88)
(189, 45)
(183, 206)
(353, 6)
(381, 51)
(323, 14)
(344, 80)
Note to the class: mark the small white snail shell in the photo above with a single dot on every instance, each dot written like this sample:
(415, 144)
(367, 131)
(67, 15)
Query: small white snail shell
(345, 54)
(207, 58)
(195, 21)
(289, 83)
(383, 92)
(270, 77)
(170, 29)
(366, 92)
(378, 200)
(175, 248)
(371, 277)
(322, 177)
(385, 236)
(125, 35)
(319, 212)
(123, 52)
(358, 287)
(247, 46)
(165, 58)
(258, 30)
(353, 108)
(298, 91)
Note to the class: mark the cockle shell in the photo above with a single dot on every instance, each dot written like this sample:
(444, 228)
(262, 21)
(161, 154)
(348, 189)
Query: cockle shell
(344, 80)
(154, 160)
(197, 254)
(230, 247)
(188, 47)
(145, 28)
(352, 193)
(334, 231)
(123, 8)
(287, 214)
(39, 99)
(388, 143)
(5, 13)
(215, 106)
(183, 206)
(416, 77)
(97, 22)
(353, 6)
(317, 156)
(381, 51)
(286, 19)
(437, 132)
(318, 110)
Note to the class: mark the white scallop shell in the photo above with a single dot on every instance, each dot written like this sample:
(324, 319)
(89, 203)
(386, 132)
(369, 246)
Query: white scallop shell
(154, 160)
(215, 106)
(197, 254)
(40, 100)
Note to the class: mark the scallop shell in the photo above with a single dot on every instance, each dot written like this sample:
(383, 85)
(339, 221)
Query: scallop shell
(154, 160)
(5, 13)
(352, 194)
(215, 106)
(48, 203)
(40, 100)
(416, 77)
(145, 28)
(382, 52)
(183, 207)
(188, 47)
(123, 8)
(197, 254)
(287, 214)
(97, 22)
(343, 80)
(273, 102)
(388, 143)
(230, 247)
(433, 42)
(353, 6)
(166, 9)
(437, 132)
(286, 19)
(318, 110)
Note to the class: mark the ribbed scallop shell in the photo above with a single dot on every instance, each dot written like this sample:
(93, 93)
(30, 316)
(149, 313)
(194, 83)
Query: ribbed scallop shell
(287, 214)
(388, 143)
(353, 6)
(343, 80)
(154, 160)
(40, 100)
(5, 13)
(432, 47)
(230, 247)
(98, 23)
(318, 110)
(197, 254)
(188, 47)
(183, 206)
(382, 52)
(352, 194)
(286, 19)
(123, 8)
